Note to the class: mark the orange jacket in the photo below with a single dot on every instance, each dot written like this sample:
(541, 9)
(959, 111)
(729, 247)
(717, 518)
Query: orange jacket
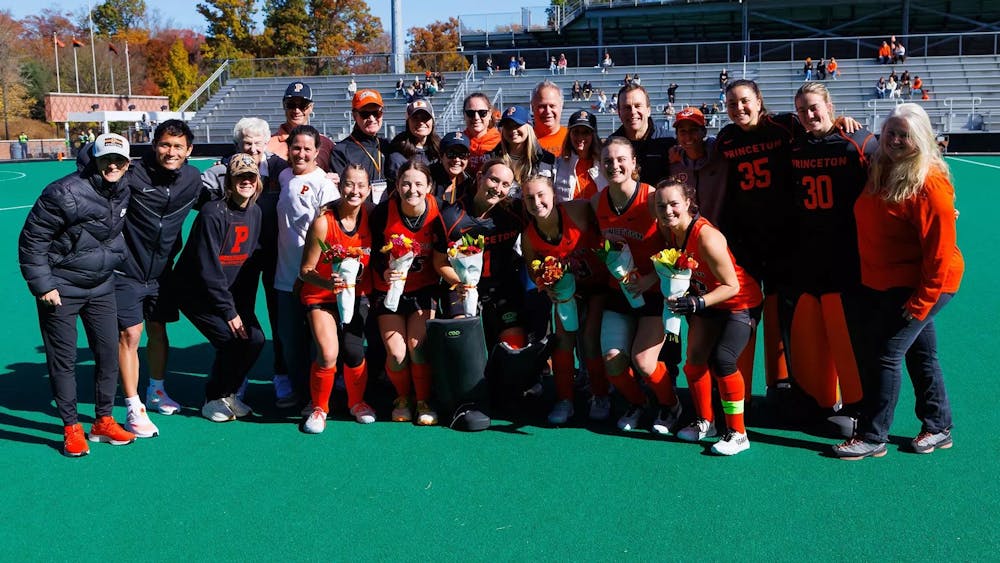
(884, 51)
(911, 244)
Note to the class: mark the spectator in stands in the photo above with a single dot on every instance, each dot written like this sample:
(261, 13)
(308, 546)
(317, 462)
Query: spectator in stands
(918, 84)
(652, 145)
(553, 66)
(905, 87)
(892, 87)
(440, 79)
(479, 129)
(899, 54)
(400, 89)
(714, 112)
(352, 88)
(614, 100)
(418, 141)
(576, 92)
(703, 108)
(831, 68)
(672, 91)
(607, 63)
(602, 102)
(431, 87)
(893, 76)
(821, 69)
(563, 63)
(546, 108)
(625, 81)
(298, 104)
(881, 88)
(588, 90)
(418, 87)
(512, 67)
(884, 54)
(807, 70)
(636, 80)
(411, 94)
(723, 78)
(363, 145)
(489, 64)
(522, 66)
(668, 113)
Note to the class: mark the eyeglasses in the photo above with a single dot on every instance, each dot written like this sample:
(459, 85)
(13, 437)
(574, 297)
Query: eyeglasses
(297, 104)
(457, 154)
(472, 113)
(365, 114)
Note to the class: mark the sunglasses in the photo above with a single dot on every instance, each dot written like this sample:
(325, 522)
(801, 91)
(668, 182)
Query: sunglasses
(365, 114)
(457, 154)
(297, 104)
(482, 113)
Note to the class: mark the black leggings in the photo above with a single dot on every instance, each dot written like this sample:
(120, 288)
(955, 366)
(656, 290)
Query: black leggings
(351, 338)
(734, 329)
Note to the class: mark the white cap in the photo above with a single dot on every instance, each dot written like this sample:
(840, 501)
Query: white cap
(109, 143)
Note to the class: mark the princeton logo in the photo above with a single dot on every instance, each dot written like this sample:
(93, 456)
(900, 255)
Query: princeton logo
(584, 114)
(453, 333)
(511, 110)
(298, 86)
(458, 135)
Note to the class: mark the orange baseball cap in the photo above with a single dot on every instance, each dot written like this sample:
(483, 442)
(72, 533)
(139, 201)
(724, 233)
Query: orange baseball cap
(690, 114)
(366, 97)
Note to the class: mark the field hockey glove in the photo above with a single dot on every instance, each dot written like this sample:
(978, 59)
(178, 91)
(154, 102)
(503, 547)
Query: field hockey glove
(687, 305)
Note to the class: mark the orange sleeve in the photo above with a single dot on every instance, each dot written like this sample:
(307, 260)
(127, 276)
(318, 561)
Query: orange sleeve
(933, 215)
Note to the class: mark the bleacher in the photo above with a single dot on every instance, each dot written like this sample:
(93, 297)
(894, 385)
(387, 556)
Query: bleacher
(953, 83)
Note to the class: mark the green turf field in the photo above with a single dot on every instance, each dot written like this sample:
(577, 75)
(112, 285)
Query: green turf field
(260, 490)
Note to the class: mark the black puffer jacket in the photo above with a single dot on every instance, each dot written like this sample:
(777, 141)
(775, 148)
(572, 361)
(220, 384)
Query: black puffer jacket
(161, 200)
(72, 239)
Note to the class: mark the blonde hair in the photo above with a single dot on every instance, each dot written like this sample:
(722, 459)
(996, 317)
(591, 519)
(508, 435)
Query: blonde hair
(525, 166)
(898, 180)
(622, 142)
(814, 88)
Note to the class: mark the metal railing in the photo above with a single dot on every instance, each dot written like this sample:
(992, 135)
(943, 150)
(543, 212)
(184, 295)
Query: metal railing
(451, 114)
(206, 87)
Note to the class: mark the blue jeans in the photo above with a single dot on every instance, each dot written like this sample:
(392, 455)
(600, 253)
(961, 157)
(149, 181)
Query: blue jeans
(897, 341)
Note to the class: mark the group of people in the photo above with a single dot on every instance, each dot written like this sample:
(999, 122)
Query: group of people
(759, 213)
(891, 52)
(431, 85)
(817, 71)
(899, 87)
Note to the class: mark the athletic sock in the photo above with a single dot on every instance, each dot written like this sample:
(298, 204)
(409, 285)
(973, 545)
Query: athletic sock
(133, 403)
(515, 340)
(321, 385)
(562, 369)
(628, 387)
(700, 385)
(662, 385)
(421, 380)
(400, 379)
(355, 380)
(731, 392)
(599, 385)
(156, 384)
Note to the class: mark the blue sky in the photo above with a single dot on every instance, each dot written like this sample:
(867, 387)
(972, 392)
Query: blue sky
(183, 13)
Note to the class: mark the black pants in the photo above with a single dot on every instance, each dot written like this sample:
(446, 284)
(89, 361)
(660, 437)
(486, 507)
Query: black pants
(234, 356)
(100, 321)
(260, 268)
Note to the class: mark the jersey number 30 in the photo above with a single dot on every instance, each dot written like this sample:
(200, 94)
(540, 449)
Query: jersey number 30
(819, 192)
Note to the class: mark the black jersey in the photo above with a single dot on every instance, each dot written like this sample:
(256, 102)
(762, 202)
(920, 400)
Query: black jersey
(500, 229)
(758, 191)
(828, 174)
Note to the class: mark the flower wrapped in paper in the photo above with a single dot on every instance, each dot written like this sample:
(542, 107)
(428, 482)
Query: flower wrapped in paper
(466, 257)
(402, 250)
(618, 258)
(553, 274)
(346, 263)
(674, 269)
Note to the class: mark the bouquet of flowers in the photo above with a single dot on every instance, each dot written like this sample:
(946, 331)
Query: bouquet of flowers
(346, 262)
(552, 273)
(402, 250)
(674, 268)
(618, 258)
(466, 256)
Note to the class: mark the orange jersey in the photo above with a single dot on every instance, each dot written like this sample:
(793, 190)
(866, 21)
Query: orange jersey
(553, 142)
(912, 243)
(360, 237)
(586, 187)
(574, 244)
(387, 220)
(480, 148)
(704, 281)
(635, 224)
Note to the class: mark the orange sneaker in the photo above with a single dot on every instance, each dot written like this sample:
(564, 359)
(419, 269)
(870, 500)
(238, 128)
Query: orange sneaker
(106, 430)
(75, 441)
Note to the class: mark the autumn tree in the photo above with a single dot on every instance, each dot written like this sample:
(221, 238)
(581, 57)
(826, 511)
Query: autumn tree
(230, 28)
(339, 30)
(286, 24)
(181, 77)
(112, 17)
(435, 47)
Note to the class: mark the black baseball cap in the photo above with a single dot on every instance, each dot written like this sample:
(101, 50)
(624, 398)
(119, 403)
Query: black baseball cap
(455, 139)
(583, 117)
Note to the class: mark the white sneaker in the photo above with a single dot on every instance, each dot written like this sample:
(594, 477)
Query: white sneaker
(284, 393)
(239, 408)
(138, 423)
(316, 423)
(425, 414)
(363, 413)
(158, 400)
(561, 412)
(666, 419)
(630, 420)
(697, 430)
(731, 444)
(218, 410)
(600, 408)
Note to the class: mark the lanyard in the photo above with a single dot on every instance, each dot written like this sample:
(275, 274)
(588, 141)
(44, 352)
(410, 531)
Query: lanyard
(377, 163)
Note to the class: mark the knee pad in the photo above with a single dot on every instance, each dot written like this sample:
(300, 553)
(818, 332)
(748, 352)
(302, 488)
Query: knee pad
(456, 349)
(617, 332)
